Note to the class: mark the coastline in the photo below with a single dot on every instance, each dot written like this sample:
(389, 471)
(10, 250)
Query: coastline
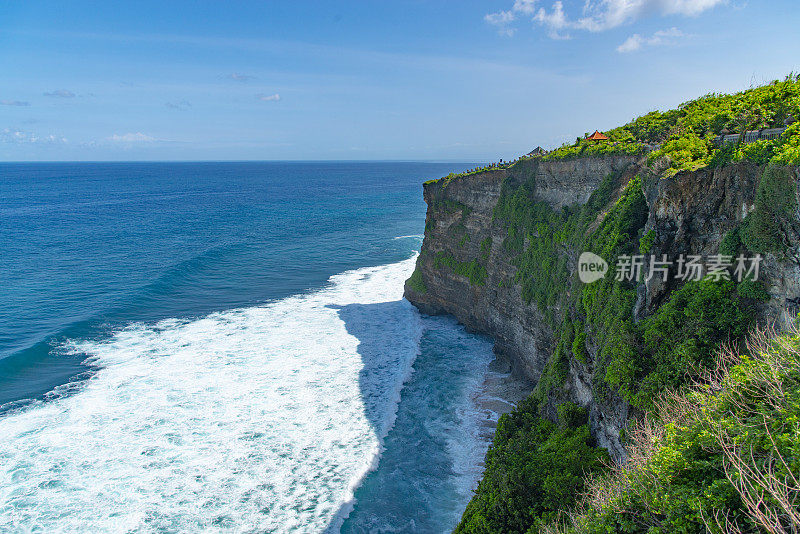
(503, 388)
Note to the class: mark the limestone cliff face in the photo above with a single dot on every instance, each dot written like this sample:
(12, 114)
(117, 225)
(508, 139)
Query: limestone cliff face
(688, 214)
(464, 207)
(692, 211)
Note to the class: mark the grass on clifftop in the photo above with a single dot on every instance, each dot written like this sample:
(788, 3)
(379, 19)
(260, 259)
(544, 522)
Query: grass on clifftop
(685, 135)
(683, 138)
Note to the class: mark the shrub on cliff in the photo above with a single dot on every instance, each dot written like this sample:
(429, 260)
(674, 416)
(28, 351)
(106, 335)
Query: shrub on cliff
(416, 283)
(788, 150)
(685, 152)
(771, 227)
(723, 456)
(620, 143)
(533, 467)
(473, 270)
(683, 334)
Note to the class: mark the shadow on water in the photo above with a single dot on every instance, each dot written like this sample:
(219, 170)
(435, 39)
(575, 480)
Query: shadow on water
(416, 487)
(387, 334)
(387, 343)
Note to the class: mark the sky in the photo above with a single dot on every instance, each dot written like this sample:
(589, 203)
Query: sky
(364, 80)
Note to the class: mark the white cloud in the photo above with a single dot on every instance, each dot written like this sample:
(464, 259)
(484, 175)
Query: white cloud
(137, 137)
(60, 93)
(526, 7)
(608, 14)
(662, 37)
(556, 21)
(631, 44)
(501, 20)
(691, 8)
(8, 135)
(602, 15)
(14, 103)
(268, 98)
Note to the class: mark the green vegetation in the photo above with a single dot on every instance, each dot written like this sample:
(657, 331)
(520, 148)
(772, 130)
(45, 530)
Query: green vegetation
(753, 290)
(542, 266)
(788, 153)
(687, 134)
(771, 226)
(646, 242)
(448, 205)
(416, 282)
(685, 137)
(720, 457)
(632, 360)
(445, 180)
(637, 361)
(486, 248)
(686, 152)
(473, 269)
(533, 467)
(731, 242)
(683, 334)
(620, 142)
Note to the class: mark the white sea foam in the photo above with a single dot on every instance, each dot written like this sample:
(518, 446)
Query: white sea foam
(488, 394)
(249, 420)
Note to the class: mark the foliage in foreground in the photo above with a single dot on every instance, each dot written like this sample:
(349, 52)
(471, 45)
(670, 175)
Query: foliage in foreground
(533, 467)
(723, 456)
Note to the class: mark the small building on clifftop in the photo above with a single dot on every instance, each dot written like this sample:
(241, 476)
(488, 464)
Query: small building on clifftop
(597, 136)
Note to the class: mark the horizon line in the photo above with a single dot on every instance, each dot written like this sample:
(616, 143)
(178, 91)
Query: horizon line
(244, 161)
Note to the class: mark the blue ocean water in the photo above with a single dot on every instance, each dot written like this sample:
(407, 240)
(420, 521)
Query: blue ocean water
(225, 347)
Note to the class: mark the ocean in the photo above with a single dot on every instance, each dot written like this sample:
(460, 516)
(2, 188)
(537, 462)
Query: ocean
(224, 347)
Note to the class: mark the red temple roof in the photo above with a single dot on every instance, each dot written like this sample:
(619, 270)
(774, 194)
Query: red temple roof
(597, 136)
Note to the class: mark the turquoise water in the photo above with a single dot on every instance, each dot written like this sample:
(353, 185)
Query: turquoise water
(225, 347)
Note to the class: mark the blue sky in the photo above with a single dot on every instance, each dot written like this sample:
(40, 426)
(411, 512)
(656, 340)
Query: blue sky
(456, 80)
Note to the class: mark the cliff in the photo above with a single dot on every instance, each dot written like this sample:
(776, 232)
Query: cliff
(460, 224)
(467, 268)
(613, 274)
